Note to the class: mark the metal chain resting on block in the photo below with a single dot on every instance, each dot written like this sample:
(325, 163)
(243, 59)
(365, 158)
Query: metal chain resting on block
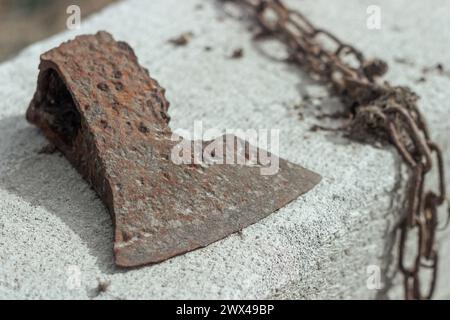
(386, 111)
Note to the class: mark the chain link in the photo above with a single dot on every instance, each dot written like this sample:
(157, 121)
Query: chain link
(388, 112)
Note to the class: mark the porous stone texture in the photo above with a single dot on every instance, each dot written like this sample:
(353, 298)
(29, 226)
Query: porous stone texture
(56, 236)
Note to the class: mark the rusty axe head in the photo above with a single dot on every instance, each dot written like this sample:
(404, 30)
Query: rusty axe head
(102, 110)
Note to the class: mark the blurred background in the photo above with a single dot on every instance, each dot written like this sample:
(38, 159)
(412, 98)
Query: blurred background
(23, 22)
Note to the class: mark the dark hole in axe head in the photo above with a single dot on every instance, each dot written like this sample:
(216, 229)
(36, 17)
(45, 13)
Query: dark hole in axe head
(57, 105)
(109, 118)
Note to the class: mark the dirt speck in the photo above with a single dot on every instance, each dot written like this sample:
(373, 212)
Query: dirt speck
(48, 149)
(182, 40)
(237, 53)
(404, 61)
(438, 68)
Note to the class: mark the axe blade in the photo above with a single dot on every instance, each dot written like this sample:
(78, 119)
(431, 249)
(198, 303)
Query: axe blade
(102, 110)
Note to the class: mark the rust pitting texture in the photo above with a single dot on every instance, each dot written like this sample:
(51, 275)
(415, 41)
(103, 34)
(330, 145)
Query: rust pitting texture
(102, 110)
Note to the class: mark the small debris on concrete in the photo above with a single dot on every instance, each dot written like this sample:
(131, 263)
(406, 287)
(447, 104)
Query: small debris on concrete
(102, 286)
(48, 149)
(404, 61)
(335, 115)
(438, 68)
(316, 128)
(421, 80)
(237, 53)
(182, 40)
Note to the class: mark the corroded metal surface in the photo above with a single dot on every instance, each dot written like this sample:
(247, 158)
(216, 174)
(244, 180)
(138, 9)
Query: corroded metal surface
(109, 118)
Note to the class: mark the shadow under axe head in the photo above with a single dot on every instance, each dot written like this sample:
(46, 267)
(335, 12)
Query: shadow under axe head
(102, 110)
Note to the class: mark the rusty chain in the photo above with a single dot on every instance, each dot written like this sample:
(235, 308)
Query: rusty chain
(388, 112)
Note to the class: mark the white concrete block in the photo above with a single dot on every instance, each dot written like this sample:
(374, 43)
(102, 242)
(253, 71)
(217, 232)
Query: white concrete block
(56, 236)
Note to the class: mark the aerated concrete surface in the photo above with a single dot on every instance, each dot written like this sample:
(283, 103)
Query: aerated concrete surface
(56, 235)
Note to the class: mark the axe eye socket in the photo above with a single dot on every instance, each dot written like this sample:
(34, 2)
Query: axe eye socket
(58, 107)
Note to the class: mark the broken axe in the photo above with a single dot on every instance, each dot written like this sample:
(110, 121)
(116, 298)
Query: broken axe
(102, 110)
